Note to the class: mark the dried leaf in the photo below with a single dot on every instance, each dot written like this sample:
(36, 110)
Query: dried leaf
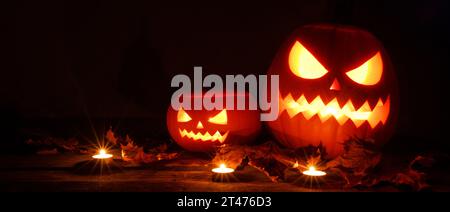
(267, 158)
(264, 158)
(135, 154)
(60, 144)
(422, 163)
(270, 167)
(411, 179)
(232, 155)
(47, 151)
(129, 151)
(359, 158)
(110, 137)
(70, 144)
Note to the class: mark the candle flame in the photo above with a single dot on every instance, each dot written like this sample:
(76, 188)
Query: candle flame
(102, 154)
(223, 169)
(312, 171)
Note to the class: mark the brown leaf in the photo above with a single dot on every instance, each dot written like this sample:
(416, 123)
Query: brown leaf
(129, 151)
(135, 154)
(60, 144)
(232, 156)
(128, 139)
(413, 178)
(359, 157)
(70, 144)
(110, 137)
(267, 158)
(270, 167)
(409, 180)
(422, 163)
(47, 151)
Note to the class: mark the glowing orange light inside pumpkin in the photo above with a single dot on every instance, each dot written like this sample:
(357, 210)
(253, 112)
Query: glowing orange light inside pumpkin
(217, 136)
(220, 118)
(312, 171)
(335, 85)
(368, 73)
(374, 116)
(303, 64)
(199, 125)
(223, 169)
(182, 116)
(102, 154)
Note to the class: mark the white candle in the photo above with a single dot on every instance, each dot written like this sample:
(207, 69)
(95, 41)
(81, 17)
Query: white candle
(223, 169)
(313, 172)
(102, 154)
(223, 174)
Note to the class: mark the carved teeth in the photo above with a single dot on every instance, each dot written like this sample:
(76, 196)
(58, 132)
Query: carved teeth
(204, 137)
(324, 111)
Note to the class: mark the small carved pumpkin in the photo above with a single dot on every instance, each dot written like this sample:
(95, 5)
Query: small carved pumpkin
(203, 130)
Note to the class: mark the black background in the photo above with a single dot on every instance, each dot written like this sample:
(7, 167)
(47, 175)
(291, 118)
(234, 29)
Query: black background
(112, 61)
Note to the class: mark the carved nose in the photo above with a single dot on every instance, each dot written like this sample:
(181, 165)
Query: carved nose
(199, 125)
(335, 85)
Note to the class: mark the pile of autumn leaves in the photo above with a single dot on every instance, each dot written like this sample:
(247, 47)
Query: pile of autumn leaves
(360, 165)
(129, 150)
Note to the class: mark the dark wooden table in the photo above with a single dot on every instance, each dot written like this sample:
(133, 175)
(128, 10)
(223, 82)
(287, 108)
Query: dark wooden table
(186, 173)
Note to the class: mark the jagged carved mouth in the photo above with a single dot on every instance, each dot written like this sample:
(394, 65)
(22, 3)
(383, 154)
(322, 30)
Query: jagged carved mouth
(217, 136)
(379, 113)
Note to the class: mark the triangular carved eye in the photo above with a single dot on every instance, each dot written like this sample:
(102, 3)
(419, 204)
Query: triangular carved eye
(303, 64)
(182, 116)
(368, 73)
(220, 118)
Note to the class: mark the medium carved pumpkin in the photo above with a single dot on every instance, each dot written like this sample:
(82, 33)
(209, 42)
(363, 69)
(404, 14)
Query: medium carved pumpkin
(204, 131)
(336, 82)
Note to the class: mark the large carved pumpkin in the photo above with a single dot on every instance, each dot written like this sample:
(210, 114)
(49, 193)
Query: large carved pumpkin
(204, 131)
(336, 82)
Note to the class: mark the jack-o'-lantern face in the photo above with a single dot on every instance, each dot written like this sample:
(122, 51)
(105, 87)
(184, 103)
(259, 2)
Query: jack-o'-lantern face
(199, 133)
(336, 82)
(203, 130)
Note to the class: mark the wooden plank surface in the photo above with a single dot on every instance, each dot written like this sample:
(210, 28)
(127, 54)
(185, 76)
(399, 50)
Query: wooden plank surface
(187, 173)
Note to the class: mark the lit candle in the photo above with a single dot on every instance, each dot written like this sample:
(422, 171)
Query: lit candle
(313, 172)
(101, 163)
(222, 173)
(102, 155)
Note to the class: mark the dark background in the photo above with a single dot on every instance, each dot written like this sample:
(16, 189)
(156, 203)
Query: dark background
(72, 65)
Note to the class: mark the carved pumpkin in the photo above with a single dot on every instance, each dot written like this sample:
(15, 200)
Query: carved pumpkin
(203, 130)
(336, 82)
